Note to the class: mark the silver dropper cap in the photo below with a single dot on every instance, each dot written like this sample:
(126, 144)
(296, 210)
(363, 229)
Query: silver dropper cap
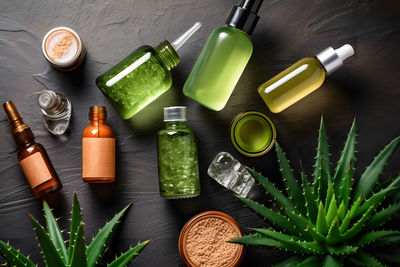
(177, 113)
(332, 59)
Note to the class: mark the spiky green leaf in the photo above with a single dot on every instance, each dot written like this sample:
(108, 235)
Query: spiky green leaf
(268, 214)
(301, 224)
(371, 237)
(98, 246)
(271, 189)
(311, 204)
(310, 261)
(382, 216)
(341, 211)
(329, 195)
(277, 235)
(128, 256)
(292, 186)
(346, 184)
(55, 233)
(358, 225)
(322, 226)
(78, 258)
(371, 175)
(333, 233)
(76, 219)
(51, 256)
(332, 211)
(256, 240)
(346, 158)
(322, 170)
(13, 257)
(349, 216)
(375, 199)
(330, 261)
(365, 259)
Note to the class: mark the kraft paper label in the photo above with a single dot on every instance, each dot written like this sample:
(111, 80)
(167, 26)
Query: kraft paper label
(35, 169)
(98, 157)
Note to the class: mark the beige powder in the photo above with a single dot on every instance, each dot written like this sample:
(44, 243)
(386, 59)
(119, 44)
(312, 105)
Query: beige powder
(62, 46)
(206, 243)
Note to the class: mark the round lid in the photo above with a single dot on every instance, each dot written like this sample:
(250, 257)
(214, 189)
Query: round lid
(332, 59)
(177, 113)
(47, 99)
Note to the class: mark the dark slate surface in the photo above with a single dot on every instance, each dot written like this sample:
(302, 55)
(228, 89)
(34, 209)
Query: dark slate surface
(367, 88)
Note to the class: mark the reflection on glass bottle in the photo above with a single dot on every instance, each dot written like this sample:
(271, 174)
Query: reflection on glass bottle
(142, 76)
(56, 110)
(302, 78)
(178, 169)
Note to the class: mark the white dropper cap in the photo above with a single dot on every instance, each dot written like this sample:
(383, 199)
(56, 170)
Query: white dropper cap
(184, 37)
(332, 59)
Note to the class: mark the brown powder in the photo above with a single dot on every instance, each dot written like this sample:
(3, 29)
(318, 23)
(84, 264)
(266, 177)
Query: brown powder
(61, 46)
(206, 243)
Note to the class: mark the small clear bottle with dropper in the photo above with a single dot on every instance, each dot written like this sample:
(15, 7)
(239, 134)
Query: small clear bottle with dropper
(302, 78)
(56, 110)
(142, 76)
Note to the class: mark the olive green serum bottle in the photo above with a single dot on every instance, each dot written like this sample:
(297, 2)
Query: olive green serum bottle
(224, 57)
(302, 78)
(142, 76)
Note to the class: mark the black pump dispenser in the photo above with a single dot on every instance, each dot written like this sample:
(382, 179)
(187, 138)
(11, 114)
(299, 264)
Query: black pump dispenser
(244, 17)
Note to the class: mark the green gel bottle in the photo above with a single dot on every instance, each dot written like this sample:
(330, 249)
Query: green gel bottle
(178, 170)
(224, 57)
(142, 76)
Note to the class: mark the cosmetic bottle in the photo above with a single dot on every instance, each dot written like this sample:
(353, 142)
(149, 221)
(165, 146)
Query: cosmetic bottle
(224, 57)
(178, 170)
(302, 78)
(98, 149)
(56, 110)
(32, 156)
(142, 76)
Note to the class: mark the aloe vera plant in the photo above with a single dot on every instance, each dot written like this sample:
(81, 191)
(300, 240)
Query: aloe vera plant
(56, 253)
(330, 222)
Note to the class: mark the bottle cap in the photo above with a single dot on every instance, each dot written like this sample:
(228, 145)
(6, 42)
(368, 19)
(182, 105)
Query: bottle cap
(47, 99)
(97, 113)
(177, 113)
(332, 59)
(21, 132)
(244, 17)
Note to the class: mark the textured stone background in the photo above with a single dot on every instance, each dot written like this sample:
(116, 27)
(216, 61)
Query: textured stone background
(366, 88)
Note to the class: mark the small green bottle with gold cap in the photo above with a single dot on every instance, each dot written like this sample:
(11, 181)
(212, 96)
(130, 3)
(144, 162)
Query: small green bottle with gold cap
(143, 76)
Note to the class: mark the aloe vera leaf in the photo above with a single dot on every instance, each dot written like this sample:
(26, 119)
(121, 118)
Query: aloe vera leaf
(333, 233)
(301, 224)
(389, 241)
(349, 215)
(371, 237)
(95, 251)
(13, 257)
(371, 175)
(78, 258)
(76, 219)
(128, 256)
(382, 216)
(375, 199)
(276, 235)
(330, 261)
(365, 259)
(292, 187)
(332, 211)
(346, 158)
(268, 214)
(310, 261)
(256, 240)
(270, 188)
(342, 250)
(289, 262)
(55, 233)
(323, 185)
(322, 226)
(322, 162)
(329, 195)
(311, 204)
(358, 225)
(341, 211)
(345, 188)
(51, 256)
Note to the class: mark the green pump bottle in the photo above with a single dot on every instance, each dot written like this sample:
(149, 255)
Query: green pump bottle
(224, 57)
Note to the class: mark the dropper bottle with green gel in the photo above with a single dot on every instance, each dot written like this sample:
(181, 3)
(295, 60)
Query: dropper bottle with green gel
(143, 76)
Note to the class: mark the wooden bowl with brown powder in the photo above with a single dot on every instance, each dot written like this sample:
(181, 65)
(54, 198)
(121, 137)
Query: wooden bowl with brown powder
(204, 241)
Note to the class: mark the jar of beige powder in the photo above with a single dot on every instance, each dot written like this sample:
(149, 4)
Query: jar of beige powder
(204, 241)
(63, 48)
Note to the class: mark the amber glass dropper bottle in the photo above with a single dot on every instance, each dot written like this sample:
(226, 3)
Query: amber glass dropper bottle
(32, 156)
(98, 148)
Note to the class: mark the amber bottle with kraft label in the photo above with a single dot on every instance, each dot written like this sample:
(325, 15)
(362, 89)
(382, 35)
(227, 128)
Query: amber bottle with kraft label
(98, 149)
(32, 156)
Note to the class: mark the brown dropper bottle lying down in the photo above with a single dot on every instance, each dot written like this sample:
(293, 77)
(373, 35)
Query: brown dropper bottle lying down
(32, 157)
(98, 148)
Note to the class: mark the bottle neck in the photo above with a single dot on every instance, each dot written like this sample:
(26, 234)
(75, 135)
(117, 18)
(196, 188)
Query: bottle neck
(96, 122)
(175, 124)
(167, 55)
